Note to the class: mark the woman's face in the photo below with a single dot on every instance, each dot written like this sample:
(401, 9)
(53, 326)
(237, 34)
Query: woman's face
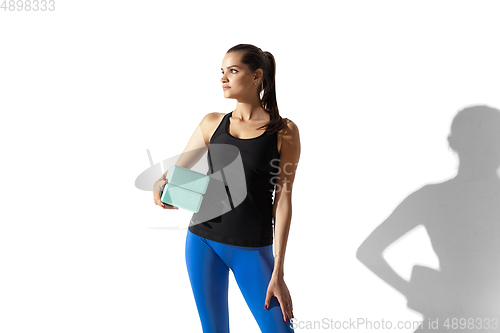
(238, 78)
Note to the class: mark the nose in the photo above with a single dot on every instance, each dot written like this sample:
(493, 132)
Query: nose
(223, 79)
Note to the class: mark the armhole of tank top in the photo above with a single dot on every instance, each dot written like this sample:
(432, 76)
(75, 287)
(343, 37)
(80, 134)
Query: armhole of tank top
(276, 144)
(273, 139)
(215, 132)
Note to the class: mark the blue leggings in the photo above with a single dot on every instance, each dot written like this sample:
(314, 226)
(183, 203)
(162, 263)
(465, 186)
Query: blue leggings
(208, 264)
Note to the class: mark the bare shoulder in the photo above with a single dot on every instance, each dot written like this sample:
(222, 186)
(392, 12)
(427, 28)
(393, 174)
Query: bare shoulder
(211, 118)
(209, 124)
(290, 131)
(291, 126)
(288, 136)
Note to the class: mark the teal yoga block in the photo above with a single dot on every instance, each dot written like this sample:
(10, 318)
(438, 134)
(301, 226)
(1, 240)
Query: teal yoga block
(184, 188)
(188, 179)
(180, 197)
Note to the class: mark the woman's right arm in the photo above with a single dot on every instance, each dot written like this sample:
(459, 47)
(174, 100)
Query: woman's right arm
(195, 149)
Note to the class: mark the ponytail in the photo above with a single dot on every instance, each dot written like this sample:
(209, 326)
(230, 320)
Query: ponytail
(255, 58)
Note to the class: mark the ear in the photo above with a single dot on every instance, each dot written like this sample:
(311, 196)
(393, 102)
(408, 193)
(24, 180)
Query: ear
(258, 74)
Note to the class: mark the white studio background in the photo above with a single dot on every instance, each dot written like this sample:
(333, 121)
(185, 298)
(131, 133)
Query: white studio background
(87, 88)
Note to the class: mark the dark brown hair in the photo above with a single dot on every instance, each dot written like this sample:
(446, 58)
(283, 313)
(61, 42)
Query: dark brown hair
(255, 58)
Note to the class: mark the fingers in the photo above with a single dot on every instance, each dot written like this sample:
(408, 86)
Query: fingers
(268, 300)
(285, 302)
(167, 206)
(283, 309)
(159, 185)
(163, 183)
(286, 308)
(289, 309)
(157, 199)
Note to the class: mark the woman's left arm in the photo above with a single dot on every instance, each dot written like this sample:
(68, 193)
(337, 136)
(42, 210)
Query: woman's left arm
(282, 212)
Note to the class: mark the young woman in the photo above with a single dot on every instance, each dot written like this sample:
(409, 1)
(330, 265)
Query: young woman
(241, 239)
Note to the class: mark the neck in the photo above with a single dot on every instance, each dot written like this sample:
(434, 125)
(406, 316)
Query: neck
(250, 111)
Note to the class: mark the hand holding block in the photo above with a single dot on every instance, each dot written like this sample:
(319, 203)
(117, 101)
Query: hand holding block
(185, 188)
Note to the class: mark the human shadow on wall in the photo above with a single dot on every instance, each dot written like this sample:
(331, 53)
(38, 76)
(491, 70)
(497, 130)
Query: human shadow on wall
(462, 219)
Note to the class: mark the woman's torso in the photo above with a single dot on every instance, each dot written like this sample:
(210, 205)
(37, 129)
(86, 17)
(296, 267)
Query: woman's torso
(249, 221)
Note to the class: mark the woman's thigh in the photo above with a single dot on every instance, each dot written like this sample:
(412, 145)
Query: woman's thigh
(209, 277)
(252, 268)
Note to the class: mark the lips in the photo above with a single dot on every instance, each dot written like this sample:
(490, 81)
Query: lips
(225, 87)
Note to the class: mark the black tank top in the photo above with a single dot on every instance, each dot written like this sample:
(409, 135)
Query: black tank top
(247, 171)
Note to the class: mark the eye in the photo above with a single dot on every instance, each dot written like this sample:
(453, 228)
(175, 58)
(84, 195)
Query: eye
(230, 70)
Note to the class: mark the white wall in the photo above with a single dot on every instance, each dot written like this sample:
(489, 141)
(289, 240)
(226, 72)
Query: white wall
(87, 88)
